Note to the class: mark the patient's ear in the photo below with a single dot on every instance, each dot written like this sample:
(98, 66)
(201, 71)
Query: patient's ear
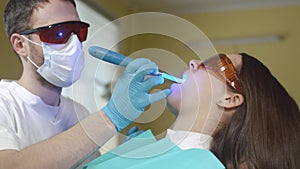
(231, 100)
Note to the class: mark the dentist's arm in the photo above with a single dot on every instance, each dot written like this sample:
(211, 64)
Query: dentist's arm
(63, 150)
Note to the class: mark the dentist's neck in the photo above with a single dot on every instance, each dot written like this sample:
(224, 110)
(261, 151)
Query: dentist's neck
(47, 92)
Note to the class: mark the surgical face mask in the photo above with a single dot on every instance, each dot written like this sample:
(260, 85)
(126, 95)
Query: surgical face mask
(63, 63)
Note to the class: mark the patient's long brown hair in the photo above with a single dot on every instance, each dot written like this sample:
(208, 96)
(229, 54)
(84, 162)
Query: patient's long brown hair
(264, 133)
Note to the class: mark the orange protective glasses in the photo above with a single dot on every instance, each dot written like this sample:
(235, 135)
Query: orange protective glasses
(222, 67)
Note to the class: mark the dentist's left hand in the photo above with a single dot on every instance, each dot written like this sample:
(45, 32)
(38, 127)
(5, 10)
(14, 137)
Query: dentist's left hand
(131, 94)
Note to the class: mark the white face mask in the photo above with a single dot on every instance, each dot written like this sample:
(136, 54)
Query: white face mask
(63, 63)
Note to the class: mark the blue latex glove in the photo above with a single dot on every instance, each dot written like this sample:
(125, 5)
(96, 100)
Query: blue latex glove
(131, 93)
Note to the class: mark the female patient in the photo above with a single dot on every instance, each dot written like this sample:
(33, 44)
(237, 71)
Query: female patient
(253, 122)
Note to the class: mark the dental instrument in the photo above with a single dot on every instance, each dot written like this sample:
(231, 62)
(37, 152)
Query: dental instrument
(121, 60)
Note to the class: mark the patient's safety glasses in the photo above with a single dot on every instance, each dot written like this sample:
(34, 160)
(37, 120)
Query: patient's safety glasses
(222, 67)
(60, 33)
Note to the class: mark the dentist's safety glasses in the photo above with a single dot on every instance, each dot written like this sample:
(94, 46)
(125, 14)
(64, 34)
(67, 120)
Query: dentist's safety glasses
(222, 67)
(59, 33)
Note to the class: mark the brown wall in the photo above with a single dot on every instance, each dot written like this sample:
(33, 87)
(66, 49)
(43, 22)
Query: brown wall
(10, 66)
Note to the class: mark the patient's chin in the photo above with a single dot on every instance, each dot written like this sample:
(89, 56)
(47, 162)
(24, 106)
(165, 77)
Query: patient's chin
(174, 99)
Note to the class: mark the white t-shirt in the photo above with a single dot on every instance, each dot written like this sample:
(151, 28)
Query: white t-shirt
(25, 119)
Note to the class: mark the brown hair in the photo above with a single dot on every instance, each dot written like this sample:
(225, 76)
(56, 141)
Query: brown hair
(264, 133)
(17, 14)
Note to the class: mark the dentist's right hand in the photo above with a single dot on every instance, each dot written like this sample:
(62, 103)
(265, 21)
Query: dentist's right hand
(131, 93)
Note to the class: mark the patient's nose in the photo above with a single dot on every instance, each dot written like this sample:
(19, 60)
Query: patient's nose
(194, 64)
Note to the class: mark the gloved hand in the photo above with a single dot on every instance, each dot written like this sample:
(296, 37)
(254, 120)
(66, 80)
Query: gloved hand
(130, 95)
